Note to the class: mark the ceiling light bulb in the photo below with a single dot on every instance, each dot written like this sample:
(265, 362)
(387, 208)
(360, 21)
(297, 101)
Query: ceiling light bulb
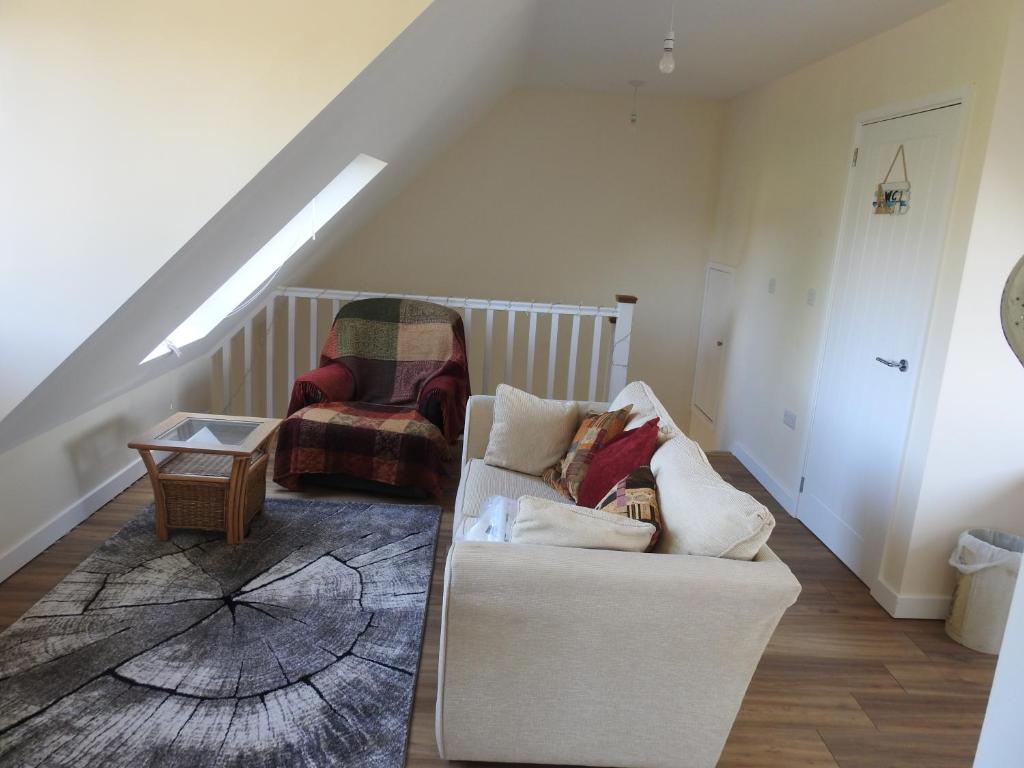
(668, 62)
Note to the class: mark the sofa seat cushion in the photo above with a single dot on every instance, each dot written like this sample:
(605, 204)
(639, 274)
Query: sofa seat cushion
(481, 480)
(553, 524)
(702, 514)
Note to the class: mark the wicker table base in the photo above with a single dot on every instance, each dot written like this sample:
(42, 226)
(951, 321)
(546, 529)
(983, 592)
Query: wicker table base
(208, 487)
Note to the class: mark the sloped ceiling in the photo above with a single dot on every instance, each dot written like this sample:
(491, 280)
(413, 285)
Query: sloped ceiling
(436, 78)
(125, 126)
(454, 61)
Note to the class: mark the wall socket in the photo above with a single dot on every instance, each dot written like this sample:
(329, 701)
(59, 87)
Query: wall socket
(789, 419)
(812, 297)
(771, 285)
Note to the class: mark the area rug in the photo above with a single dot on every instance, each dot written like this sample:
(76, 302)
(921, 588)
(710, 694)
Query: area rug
(298, 647)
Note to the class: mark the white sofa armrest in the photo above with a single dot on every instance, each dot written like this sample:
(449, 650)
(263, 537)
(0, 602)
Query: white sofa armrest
(591, 657)
(479, 418)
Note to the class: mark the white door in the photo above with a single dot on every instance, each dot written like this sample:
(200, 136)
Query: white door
(715, 316)
(882, 293)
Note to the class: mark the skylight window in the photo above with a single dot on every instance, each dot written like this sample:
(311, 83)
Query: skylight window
(261, 267)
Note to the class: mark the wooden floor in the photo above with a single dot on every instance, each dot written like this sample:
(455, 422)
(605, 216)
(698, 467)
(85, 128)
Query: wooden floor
(841, 683)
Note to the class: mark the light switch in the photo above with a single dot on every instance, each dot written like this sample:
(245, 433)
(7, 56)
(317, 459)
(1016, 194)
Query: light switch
(789, 419)
(771, 285)
(812, 296)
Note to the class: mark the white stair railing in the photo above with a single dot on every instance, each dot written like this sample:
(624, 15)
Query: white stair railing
(281, 339)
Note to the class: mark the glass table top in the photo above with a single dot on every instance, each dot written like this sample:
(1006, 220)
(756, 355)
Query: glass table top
(209, 432)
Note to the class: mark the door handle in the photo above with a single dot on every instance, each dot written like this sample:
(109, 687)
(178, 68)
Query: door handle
(901, 364)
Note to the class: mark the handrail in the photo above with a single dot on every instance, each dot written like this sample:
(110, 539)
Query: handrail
(608, 355)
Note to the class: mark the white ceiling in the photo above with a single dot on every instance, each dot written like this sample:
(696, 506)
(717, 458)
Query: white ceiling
(723, 47)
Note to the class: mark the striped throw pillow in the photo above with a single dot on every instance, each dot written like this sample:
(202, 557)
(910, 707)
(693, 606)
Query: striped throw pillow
(636, 497)
(594, 433)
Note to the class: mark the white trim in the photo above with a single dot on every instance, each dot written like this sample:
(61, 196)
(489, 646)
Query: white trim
(49, 532)
(910, 606)
(786, 498)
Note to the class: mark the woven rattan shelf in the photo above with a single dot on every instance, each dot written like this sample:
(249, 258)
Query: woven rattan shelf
(214, 478)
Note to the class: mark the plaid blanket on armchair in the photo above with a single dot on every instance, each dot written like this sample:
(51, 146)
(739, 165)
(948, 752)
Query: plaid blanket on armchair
(388, 398)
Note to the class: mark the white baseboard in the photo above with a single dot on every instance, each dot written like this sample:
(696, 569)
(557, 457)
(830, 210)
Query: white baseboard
(910, 606)
(785, 497)
(46, 534)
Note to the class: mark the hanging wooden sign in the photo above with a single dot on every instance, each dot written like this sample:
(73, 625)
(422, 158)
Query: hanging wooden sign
(892, 198)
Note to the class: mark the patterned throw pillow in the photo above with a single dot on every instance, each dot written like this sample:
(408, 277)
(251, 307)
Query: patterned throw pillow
(636, 497)
(596, 430)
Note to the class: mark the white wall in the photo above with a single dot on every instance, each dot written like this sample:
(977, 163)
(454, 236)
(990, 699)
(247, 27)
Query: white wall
(784, 173)
(127, 125)
(974, 474)
(51, 483)
(553, 197)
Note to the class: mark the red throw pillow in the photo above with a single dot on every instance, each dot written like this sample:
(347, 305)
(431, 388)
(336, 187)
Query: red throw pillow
(615, 460)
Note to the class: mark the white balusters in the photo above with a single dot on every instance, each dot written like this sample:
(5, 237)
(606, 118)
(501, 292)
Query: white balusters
(606, 375)
(247, 368)
(488, 348)
(314, 339)
(269, 358)
(510, 347)
(618, 362)
(225, 368)
(595, 358)
(552, 355)
(574, 348)
(291, 340)
(531, 351)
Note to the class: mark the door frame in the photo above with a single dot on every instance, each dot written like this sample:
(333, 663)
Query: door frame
(731, 271)
(922, 413)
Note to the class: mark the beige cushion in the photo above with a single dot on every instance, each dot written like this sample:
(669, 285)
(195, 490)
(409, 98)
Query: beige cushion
(479, 481)
(701, 513)
(549, 523)
(529, 434)
(645, 407)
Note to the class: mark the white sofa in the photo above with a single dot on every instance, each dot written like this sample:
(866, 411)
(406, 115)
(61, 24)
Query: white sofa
(592, 657)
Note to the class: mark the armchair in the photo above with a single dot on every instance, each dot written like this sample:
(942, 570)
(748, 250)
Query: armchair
(386, 402)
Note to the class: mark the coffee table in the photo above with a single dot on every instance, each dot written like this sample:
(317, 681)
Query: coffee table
(210, 471)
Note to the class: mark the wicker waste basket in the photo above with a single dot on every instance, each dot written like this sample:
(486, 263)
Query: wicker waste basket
(987, 563)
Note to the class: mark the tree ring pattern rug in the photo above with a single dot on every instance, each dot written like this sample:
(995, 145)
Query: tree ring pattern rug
(298, 647)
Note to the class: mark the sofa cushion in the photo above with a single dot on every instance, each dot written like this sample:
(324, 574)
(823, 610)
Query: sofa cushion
(596, 430)
(703, 514)
(616, 460)
(550, 523)
(645, 407)
(480, 480)
(529, 434)
(636, 497)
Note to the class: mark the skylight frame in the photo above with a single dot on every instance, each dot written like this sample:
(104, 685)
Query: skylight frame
(253, 276)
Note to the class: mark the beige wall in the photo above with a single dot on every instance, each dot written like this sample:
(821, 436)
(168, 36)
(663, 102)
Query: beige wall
(552, 197)
(127, 125)
(55, 480)
(785, 167)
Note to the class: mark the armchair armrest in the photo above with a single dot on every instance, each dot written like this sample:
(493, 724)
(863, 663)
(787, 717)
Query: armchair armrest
(330, 383)
(591, 657)
(442, 401)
